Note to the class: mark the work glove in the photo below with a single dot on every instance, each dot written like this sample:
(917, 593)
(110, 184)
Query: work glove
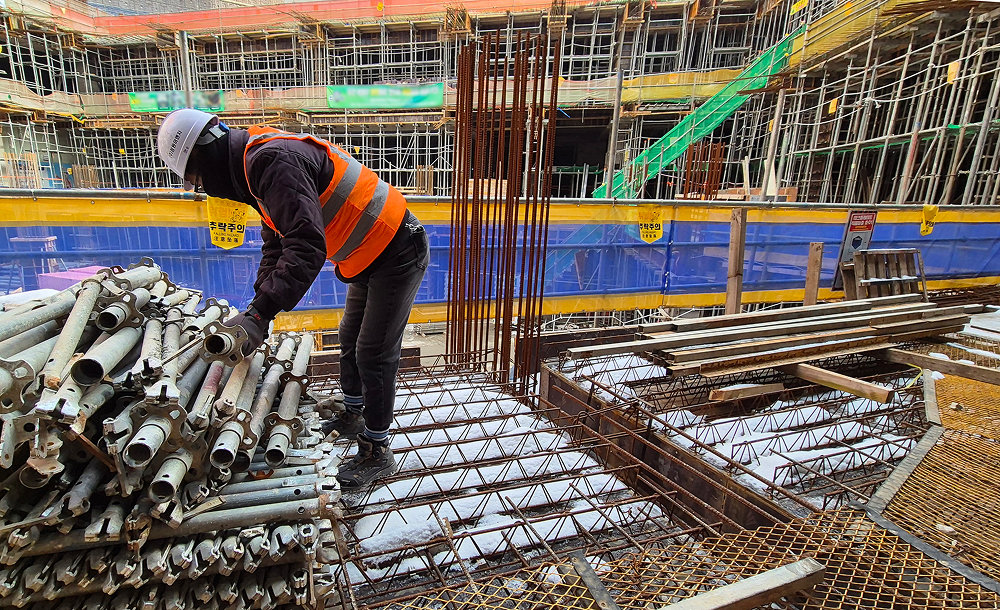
(254, 325)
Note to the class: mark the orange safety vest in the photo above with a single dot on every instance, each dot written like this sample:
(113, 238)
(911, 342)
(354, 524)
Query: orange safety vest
(361, 213)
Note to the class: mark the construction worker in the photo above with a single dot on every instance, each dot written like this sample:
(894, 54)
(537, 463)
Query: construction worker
(316, 203)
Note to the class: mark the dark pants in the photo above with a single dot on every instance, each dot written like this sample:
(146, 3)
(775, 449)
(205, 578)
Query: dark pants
(375, 315)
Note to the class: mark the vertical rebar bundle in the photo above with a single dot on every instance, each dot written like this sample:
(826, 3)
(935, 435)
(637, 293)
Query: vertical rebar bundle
(505, 137)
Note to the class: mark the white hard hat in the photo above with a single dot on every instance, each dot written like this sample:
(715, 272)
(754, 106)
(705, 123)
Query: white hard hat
(178, 136)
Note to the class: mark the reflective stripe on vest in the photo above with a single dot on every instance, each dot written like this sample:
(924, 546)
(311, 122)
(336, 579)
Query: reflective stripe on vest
(356, 233)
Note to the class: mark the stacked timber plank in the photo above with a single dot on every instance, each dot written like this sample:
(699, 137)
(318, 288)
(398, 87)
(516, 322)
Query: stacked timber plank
(743, 342)
(878, 273)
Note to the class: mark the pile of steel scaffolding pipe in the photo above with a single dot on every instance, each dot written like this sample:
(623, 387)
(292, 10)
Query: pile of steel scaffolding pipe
(132, 464)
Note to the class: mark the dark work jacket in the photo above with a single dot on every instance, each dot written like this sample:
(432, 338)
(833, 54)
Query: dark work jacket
(288, 176)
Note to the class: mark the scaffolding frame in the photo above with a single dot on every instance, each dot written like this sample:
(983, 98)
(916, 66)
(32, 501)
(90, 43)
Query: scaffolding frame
(902, 111)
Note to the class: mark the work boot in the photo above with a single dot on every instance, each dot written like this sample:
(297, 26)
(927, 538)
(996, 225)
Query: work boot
(373, 461)
(346, 424)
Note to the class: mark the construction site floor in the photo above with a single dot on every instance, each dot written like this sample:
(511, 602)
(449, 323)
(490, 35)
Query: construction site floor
(498, 505)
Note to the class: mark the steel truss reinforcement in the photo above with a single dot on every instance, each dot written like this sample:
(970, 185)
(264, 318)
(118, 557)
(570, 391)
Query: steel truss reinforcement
(491, 484)
(806, 446)
(510, 501)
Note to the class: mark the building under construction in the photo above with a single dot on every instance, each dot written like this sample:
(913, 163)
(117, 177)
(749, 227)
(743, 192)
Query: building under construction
(709, 319)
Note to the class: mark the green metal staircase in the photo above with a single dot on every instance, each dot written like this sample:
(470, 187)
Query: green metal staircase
(629, 180)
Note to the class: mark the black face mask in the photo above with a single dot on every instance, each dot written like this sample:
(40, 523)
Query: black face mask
(214, 168)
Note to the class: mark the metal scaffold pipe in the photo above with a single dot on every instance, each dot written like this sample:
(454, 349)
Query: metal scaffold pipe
(175, 298)
(184, 360)
(281, 432)
(191, 305)
(208, 522)
(147, 441)
(103, 358)
(168, 478)
(150, 354)
(275, 480)
(25, 365)
(159, 290)
(92, 400)
(117, 314)
(200, 411)
(141, 275)
(32, 479)
(24, 322)
(285, 493)
(223, 453)
(23, 341)
(268, 390)
(71, 331)
(143, 472)
(190, 381)
(226, 402)
(213, 311)
(171, 342)
(219, 343)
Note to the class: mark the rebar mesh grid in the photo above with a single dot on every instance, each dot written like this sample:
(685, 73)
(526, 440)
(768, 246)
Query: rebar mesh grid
(826, 446)
(968, 405)
(950, 500)
(866, 567)
(541, 586)
(488, 484)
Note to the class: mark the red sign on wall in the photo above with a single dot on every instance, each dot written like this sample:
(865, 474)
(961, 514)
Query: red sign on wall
(857, 236)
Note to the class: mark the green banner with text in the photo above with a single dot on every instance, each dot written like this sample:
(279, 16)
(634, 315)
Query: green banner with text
(385, 96)
(165, 101)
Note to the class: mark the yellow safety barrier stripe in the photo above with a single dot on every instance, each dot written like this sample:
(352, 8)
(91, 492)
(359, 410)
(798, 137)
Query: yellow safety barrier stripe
(77, 211)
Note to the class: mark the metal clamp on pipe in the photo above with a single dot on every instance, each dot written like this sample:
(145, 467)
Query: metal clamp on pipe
(224, 343)
(213, 311)
(122, 310)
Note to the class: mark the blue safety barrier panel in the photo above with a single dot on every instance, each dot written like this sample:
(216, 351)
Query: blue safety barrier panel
(582, 259)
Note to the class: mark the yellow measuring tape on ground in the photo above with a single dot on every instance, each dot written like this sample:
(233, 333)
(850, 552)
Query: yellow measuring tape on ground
(227, 222)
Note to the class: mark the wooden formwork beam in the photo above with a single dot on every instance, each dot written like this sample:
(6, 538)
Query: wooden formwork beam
(745, 391)
(950, 367)
(813, 268)
(737, 252)
(776, 315)
(837, 381)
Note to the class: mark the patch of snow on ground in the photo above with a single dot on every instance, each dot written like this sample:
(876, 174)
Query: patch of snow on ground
(976, 351)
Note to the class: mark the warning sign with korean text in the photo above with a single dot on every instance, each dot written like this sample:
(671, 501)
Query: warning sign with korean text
(650, 223)
(226, 222)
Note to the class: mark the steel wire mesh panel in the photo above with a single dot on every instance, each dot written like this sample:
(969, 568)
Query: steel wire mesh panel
(950, 500)
(968, 405)
(980, 351)
(866, 567)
